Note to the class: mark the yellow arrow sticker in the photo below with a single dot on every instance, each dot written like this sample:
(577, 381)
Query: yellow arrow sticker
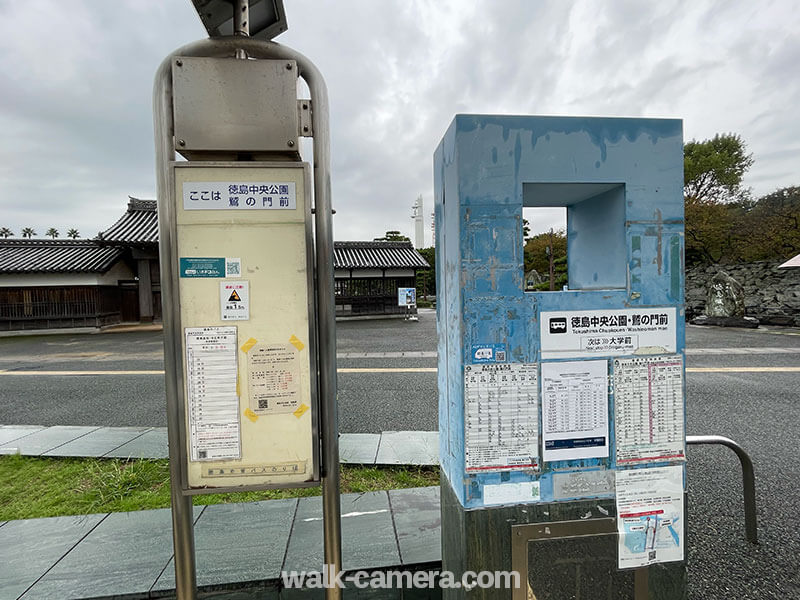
(301, 410)
(296, 342)
(250, 415)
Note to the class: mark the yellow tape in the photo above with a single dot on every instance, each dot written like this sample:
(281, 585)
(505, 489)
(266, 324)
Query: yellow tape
(301, 410)
(249, 344)
(296, 342)
(250, 415)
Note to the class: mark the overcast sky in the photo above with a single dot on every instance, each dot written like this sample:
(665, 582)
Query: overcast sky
(76, 83)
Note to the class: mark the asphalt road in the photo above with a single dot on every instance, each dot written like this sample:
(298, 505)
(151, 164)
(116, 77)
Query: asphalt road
(749, 392)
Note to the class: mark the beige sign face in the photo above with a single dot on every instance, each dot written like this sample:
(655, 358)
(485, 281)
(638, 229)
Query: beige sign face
(251, 408)
(273, 379)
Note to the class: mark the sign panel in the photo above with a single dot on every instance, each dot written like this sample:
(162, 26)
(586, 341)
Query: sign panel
(234, 300)
(501, 417)
(259, 383)
(210, 267)
(648, 409)
(575, 410)
(232, 195)
(488, 353)
(592, 333)
(213, 404)
(650, 516)
(406, 296)
(273, 379)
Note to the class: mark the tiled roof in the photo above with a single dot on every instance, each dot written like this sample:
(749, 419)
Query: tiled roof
(377, 255)
(138, 226)
(56, 256)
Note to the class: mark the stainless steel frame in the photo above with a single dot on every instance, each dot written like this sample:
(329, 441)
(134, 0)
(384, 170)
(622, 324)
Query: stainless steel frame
(521, 535)
(182, 521)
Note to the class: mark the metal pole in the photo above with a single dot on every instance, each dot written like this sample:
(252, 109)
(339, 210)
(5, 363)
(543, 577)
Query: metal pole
(748, 480)
(182, 515)
(241, 23)
(326, 322)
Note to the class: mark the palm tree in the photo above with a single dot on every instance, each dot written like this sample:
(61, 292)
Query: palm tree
(52, 232)
(73, 233)
(5, 232)
(28, 232)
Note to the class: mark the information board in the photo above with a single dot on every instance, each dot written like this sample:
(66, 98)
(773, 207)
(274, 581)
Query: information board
(501, 417)
(244, 279)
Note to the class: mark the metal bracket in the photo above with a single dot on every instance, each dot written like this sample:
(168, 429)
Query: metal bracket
(304, 128)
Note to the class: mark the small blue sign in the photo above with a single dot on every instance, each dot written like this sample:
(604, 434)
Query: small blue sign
(488, 353)
(202, 267)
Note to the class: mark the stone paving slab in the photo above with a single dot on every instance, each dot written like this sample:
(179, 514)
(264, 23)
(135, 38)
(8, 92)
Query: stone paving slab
(9, 433)
(368, 538)
(151, 444)
(359, 448)
(124, 554)
(408, 448)
(236, 543)
(46, 439)
(28, 548)
(417, 521)
(98, 442)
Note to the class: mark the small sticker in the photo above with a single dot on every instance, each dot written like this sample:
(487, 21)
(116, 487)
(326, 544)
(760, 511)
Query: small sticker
(249, 344)
(202, 267)
(488, 353)
(511, 493)
(250, 415)
(233, 267)
(296, 343)
(301, 410)
(234, 300)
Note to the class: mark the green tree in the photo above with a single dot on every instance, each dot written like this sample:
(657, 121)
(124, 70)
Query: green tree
(537, 252)
(28, 232)
(715, 202)
(73, 234)
(52, 232)
(426, 279)
(393, 236)
(772, 226)
(5, 232)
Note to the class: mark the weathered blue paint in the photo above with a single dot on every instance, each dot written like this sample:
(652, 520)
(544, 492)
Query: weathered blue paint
(625, 245)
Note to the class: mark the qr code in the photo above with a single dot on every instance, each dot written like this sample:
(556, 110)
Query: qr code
(202, 454)
(263, 404)
(233, 267)
(500, 356)
(651, 555)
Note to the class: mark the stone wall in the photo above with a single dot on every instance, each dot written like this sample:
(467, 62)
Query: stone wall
(772, 295)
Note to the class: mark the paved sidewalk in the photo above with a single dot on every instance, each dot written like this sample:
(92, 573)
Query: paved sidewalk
(241, 549)
(387, 448)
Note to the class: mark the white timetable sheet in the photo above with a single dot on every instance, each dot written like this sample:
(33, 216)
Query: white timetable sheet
(575, 410)
(213, 406)
(501, 417)
(648, 404)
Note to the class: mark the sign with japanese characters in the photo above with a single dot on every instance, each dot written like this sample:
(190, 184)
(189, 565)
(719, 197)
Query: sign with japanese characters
(220, 195)
(234, 300)
(592, 333)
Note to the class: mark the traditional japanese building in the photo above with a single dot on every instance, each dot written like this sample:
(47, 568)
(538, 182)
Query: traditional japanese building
(367, 276)
(62, 283)
(116, 278)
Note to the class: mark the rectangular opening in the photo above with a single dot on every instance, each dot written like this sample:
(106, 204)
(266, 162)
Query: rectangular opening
(596, 256)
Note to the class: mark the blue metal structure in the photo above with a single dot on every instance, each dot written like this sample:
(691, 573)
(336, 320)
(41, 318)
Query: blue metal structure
(621, 181)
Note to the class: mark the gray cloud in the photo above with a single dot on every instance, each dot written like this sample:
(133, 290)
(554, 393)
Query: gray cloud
(77, 77)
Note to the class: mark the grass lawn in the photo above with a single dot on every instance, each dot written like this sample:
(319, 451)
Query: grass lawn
(32, 487)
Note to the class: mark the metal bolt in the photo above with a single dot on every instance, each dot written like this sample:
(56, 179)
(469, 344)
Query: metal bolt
(305, 127)
(179, 63)
(288, 66)
(290, 143)
(305, 106)
(181, 142)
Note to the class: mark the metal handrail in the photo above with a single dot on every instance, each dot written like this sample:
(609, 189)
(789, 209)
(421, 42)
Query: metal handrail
(748, 480)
